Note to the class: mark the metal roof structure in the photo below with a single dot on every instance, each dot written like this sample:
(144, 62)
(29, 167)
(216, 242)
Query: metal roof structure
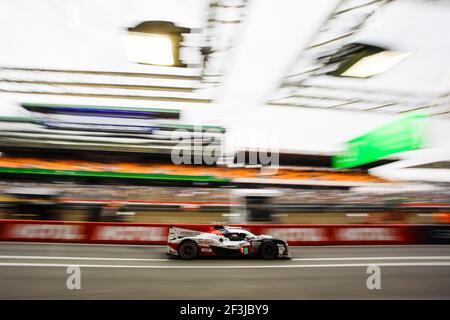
(205, 52)
(118, 125)
(306, 82)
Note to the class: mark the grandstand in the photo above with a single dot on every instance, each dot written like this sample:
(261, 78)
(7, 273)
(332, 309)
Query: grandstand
(103, 132)
(131, 149)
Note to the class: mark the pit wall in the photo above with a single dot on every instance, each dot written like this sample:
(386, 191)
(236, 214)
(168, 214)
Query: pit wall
(156, 234)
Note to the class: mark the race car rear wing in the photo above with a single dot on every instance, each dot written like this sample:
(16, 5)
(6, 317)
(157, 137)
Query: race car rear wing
(177, 233)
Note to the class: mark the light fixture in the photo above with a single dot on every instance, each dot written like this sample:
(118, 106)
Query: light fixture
(155, 43)
(375, 64)
(363, 61)
(149, 49)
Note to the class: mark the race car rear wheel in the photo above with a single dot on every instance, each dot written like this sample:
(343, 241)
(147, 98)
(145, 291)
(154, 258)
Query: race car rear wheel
(188, 250)
(268, 250)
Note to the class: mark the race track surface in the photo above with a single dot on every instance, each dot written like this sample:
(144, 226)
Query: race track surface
(38, 271)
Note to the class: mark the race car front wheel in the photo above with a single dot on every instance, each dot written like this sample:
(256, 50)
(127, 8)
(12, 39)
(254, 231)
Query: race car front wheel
(269, 250)
(187, 250)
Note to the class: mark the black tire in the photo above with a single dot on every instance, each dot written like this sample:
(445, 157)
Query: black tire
(188, 250)
(268, 250)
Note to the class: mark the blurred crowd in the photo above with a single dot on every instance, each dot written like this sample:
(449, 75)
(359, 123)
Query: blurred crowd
(72, 191)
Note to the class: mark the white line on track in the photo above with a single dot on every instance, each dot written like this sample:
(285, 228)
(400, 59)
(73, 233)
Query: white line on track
(153, 259)
(164, 246)
(80, 258)
(375, 258)
(84, 244)
(394, 264)
(295, 259)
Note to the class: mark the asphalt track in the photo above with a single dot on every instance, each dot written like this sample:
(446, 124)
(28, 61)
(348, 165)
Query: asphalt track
(38, 271)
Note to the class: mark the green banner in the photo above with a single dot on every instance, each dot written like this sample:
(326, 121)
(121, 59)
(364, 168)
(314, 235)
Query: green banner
(106, 174)
(403, 134)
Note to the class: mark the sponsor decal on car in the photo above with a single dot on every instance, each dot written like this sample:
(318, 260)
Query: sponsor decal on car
(180, 232)
(205, 242)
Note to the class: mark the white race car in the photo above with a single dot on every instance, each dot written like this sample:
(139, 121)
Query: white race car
(225, 242)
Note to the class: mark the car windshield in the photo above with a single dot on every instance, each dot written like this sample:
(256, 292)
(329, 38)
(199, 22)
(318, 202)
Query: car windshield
(244, 233)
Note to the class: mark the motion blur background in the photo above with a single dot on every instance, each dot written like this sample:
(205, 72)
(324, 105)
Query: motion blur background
(350, 97)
